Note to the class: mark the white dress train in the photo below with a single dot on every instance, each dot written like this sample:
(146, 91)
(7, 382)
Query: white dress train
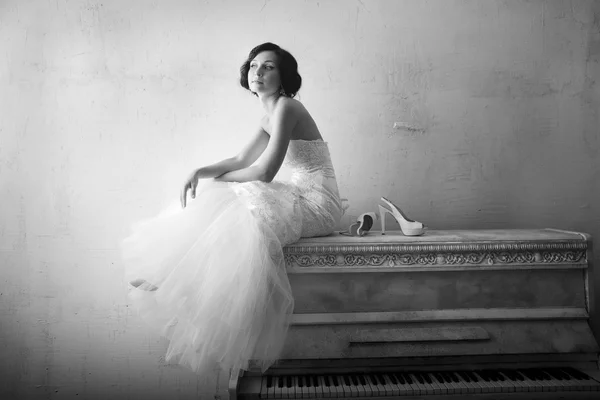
(223, 294)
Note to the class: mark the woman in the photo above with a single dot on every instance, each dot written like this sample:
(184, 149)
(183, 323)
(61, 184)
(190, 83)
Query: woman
(210, 276)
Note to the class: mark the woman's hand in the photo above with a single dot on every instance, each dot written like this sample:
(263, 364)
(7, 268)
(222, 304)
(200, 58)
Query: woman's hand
(190, 184)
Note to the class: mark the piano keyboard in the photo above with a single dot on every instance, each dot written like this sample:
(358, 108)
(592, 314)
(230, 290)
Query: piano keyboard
(418, 383)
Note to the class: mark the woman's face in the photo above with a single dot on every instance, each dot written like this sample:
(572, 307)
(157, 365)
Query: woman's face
(263, 75)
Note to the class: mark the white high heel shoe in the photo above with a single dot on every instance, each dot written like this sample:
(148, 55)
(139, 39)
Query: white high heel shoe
(408, 226)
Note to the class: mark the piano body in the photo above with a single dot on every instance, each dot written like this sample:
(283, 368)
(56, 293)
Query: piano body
(451, 314)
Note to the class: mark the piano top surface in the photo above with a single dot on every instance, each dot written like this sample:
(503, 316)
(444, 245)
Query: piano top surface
(445, 236)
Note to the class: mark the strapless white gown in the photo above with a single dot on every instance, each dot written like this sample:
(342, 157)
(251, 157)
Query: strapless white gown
(223, 295)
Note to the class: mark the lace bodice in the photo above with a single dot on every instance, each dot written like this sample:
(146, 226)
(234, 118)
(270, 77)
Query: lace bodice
(306, 206)
(309, 157)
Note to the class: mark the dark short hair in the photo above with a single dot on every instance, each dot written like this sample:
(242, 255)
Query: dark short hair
(288, 68)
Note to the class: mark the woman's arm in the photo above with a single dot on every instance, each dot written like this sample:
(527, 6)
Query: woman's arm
(283, 121)
(241, 161)
(219, 168)
(253, 173)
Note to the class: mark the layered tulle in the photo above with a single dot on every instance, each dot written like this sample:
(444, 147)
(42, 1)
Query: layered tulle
(223, 295)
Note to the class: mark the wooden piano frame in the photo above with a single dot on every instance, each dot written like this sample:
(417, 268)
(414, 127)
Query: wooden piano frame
(447, 298)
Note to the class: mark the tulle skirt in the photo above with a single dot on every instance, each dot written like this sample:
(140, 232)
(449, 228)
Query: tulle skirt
(223, 295)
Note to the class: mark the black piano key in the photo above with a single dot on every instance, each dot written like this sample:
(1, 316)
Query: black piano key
(578, 374)
(465, 376)
(346, 380)
(439, 377)
(492, 376)
(269, 381)
(544, 375)
(427, 378)
(454, 377)
(541, 375)
(280, 381)
(557, 374)
(376, 378)
(419, 377)
(473, 377)
(537, 373)
(308, 380)
(407, 378)
(529, 374)
(498, 376)
(447, 377)
(335, 381)
(316, 381)
(380, 379)
(511, 375)
(547, 375)
(393, 379)
(288, 381)
(300, 381)
(400, 378)
(362, 380)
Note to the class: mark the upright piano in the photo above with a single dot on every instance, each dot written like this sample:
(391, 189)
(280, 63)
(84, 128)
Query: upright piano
(490, 314)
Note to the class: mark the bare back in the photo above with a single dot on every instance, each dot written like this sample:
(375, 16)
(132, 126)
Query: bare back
(305, 129)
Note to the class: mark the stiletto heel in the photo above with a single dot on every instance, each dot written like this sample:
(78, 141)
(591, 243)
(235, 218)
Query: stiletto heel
(382, 212)
(408, 226)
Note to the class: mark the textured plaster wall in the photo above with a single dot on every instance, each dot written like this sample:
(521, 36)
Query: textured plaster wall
(469, 114)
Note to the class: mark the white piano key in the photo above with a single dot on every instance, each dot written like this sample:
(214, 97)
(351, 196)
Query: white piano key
(478, 387)
(301, 389)
(357, 385)
(413, 383)
(560, 383)
(575, 384)
(590, 384)
(295, 389)
(285, 391)
(437, 389)
(487, 387)
(505, 385)
(338, 388)
(345, 387)
(464, 388)
(472, 386)
(423, 387)
(548, 387)
(385, 389)
(324, 388)
(532, 386)
(453, 388)
(516, 385)
(442, 386)
(391, 389)
(310, 387)
(277, 389)
(568, 383)
(556, 384)
(369, 389)
(317, 386)
(405, 388)
(545, 386)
